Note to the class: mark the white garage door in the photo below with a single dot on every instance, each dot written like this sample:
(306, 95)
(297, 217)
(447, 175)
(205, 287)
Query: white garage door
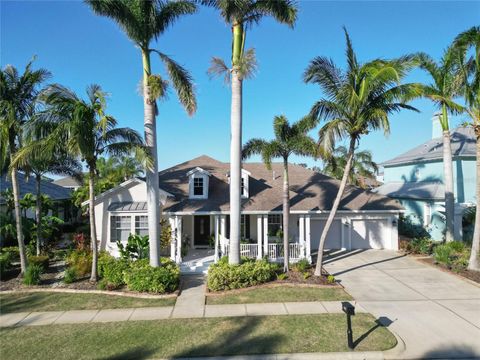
(334, 238)
(369, 234)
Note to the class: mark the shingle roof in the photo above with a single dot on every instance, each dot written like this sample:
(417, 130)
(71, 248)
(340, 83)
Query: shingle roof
(463, 144)
(68, 182)
(424, 190)
(55, 192)
(310, 191)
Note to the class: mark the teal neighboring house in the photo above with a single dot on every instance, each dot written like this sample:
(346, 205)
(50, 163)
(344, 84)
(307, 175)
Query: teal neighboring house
(415, 178)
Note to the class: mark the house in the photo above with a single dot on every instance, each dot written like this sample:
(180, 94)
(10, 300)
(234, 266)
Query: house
(60, 196)
(68, 182)
(195, 200)
(415, 178)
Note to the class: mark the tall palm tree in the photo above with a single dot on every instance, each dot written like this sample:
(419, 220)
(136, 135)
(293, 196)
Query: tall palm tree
(86, 131)
(446, 84)
(358, 100)
(18, 99)
(144, 21)
(289, 140)
(362, 165)
(470, 68)
(240, 14)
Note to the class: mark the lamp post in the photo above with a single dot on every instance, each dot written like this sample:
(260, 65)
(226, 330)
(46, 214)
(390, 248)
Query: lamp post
(349, 309)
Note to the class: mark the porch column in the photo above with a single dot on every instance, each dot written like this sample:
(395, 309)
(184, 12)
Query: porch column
(265, 235)
(307, 238)
(217, 235)
(259, 236)
(173, 240)
(178, 220)
(301, 230)
(223, 228)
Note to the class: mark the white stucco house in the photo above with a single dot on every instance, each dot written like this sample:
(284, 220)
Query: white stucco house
(195, 200)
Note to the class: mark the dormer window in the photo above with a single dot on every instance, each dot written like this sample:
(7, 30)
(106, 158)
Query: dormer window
(198, 183)
(244, 184)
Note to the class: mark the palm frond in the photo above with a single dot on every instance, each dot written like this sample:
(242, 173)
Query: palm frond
(219, 68)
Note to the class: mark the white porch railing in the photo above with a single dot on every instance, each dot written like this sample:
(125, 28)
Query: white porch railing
(275, 251)
(248, 250)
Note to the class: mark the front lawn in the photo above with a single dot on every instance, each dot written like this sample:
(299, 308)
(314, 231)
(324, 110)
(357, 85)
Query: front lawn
(194, 337)
(54, 301)
(279, 294)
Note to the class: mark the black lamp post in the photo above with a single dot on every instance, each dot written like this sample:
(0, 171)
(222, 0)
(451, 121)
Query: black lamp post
(349, 309)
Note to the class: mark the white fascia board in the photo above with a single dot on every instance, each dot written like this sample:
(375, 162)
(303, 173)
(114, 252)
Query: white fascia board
(198, 169)
(263, 212)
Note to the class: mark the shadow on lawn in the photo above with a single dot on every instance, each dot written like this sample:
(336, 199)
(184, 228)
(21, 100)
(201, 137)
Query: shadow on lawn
(238, 341)
(382, 321)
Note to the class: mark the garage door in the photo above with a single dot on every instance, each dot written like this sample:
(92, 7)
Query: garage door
(334, 238)
(369, 234)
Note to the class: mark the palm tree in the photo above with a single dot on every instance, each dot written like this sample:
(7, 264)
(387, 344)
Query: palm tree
(144, 21)
(358, 100)
(241, 14)
(445, 86)
(362, 165)
(470, 68)
(289, 140)
(86, 131)
(18, 99)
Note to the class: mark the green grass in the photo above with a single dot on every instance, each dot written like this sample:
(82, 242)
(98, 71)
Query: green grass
(279, 294)
(194, 337)
(51, 301)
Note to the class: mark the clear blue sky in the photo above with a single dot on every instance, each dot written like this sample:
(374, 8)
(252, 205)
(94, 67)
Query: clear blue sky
(80, 48)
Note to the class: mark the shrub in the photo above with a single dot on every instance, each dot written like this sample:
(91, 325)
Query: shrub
(81, 260)
(306, 275)
(81, 242)
(70, 275)
(145, 278)
(223, 276)
(331, 279)
(41, 260)
(408, 227)
(442, 254)
(302, 265)
(32, 274)
(112, 271)
(5, 262)
(13, 251)
(423, 246)
(137, 247)
(282, 276)
(456, 246)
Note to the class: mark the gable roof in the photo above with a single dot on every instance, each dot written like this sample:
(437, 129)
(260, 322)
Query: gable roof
(55, 192)
(463, 145)
(309, 190)
(68, 182)
(422, 190)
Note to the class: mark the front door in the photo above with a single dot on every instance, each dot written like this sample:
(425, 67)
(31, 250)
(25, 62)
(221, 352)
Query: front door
(201, 230)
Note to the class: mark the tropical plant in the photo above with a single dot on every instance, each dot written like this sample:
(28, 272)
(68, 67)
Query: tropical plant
(18, 100)
(470, 68)
(87, 132)
(136, 247)
(358, 100)
(289, 140)
(363, 166)
(145, 21)
(442, 91)
(240, 15)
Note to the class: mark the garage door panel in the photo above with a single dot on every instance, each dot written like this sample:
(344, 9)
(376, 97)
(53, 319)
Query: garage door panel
(334, 237)
(369, 234)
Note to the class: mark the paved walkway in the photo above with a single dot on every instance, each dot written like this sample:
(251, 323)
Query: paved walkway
(437, 314)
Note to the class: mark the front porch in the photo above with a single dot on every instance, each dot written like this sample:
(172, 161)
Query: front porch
(260, 236)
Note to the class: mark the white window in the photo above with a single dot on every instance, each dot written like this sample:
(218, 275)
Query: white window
(141, 225)
(427, 214)
(245, 227)
(274, 224)
(120, 228)
(198, 186)
(243, 186)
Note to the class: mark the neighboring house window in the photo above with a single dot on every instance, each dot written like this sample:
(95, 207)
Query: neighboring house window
(243, 187)
(245, 226)
(427, 214)
(198, 186)
(274, 224)
(141, 225)
(121, 227)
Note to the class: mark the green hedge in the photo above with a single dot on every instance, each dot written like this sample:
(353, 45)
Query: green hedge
(223, 276)
(112, 271)
(41, 260)
(5, 263)
(144, 278)
(81, 260)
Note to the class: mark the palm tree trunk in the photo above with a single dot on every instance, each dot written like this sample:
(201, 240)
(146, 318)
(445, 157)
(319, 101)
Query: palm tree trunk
(93, 230)
(153, 196)
(18, 219)
(336, 203)
(236, 147)
(38, 213)
(286, 215)
(473, 262)
(448, 176)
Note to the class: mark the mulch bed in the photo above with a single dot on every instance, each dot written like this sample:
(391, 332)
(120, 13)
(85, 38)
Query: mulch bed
(469, 274)
(296, 277)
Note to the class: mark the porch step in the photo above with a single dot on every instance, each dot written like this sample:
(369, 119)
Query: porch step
(201, 268)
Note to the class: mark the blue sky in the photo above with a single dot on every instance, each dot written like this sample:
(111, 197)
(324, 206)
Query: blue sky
(80, 48)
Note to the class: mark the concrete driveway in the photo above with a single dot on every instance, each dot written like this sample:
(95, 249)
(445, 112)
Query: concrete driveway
(437, 314)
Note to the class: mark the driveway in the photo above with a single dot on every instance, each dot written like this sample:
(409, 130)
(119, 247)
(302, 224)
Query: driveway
(437, 314)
